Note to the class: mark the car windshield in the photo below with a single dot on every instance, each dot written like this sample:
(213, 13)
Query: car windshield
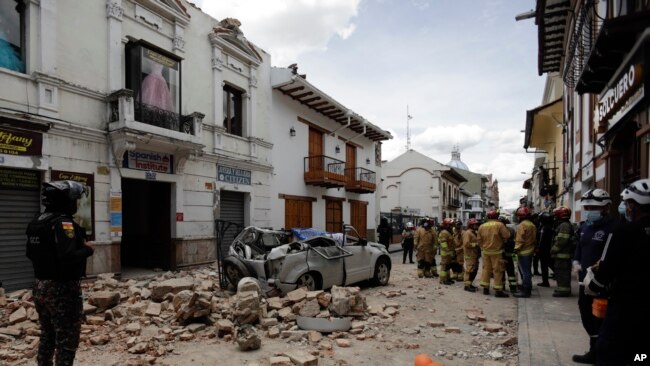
(271, 239)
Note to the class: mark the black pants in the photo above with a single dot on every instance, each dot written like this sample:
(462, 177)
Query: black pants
(589, 321)
(408, 248)
(511, 276)
(546, 261)
(624, 333)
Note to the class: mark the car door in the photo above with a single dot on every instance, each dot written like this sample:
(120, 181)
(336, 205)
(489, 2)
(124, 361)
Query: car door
(357, 266)
(326, 258)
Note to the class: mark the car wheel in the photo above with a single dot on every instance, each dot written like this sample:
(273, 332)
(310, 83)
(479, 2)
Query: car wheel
(234, 272)
(382, 272)
(310, 281)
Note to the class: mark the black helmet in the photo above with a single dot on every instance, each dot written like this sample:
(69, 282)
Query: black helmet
(62, 195)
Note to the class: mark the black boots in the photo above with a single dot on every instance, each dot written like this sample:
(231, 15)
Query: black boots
(470, 288)
(561, 294)
(588, 358)
(447, 282)
(525, 292)
(486, 290)
(500, 293)
(544, 284)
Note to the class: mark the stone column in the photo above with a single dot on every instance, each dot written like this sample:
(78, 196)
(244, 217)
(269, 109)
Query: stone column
(114, 12)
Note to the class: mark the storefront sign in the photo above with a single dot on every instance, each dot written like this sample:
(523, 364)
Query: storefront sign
(19, 179)
(85, 215)
(621, 97)
(233, 175)
(18, 142)
(151, 161)
(116, 214)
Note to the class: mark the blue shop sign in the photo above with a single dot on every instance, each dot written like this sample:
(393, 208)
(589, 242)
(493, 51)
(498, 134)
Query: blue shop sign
(233, 175)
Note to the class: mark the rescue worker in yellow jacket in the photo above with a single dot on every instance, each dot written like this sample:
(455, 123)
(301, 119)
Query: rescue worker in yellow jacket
(447, 252)
(425, 240)
(458, 246)
(471, 252)
(525, 239)
(562, 251)
(491, 236)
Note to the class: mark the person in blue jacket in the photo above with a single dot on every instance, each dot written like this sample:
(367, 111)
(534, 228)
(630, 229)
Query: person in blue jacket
(592, 235)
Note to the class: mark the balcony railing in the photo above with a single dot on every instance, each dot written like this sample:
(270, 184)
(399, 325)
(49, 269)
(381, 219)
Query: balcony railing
(123, 107)
(324, 171)
(467, 206)
(360, 180)
(597, 46)
(454, 203)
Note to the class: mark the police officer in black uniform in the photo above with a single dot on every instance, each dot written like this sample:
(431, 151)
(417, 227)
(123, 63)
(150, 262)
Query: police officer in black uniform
(56, 245)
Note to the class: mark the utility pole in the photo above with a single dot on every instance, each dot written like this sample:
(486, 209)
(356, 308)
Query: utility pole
(408, 131)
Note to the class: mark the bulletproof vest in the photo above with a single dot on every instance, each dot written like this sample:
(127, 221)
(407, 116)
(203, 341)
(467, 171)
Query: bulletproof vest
(42, 250)
(40, 237)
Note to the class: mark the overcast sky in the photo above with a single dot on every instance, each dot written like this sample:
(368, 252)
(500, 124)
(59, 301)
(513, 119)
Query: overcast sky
(466, 69)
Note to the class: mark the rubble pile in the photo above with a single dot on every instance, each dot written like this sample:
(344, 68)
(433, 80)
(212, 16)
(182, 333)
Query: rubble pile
(146, 318)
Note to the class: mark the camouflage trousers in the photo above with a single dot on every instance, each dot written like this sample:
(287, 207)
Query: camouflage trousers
(59, 307)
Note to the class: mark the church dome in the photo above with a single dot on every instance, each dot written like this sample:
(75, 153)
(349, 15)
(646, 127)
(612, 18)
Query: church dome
(455, 159)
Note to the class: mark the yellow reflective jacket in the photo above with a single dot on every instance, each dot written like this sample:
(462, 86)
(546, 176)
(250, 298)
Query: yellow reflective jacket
(470, 243)
(526, 237)
(491, 236)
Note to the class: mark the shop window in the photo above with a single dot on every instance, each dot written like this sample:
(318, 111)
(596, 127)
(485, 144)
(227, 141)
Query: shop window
(155, 78)
(232, 110)
(12, 35)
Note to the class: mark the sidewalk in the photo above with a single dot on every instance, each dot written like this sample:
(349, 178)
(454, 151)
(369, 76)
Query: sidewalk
(550, 330)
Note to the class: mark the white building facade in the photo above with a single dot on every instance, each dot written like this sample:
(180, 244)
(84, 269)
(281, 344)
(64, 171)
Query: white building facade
(417, 183)
(326, 158)
(117, 97)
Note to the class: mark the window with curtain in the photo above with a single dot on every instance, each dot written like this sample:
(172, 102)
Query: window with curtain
(232, 110)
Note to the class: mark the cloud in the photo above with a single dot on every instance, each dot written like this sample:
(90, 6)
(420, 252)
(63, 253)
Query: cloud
(288, 28)
(441, 139)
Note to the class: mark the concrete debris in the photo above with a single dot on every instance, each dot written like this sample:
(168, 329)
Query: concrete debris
(146, 317)
(247, 338)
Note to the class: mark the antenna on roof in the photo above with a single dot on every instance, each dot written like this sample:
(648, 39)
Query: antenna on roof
(408, 131)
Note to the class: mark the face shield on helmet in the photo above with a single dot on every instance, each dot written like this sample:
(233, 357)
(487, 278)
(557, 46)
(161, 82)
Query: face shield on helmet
(595, 197)
(62, 196)
(638, 192)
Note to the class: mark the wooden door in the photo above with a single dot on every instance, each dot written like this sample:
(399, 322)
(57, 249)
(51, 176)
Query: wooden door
(334, 216)
(315, 150)
(297, 213)
(350, 161)
(358, 216)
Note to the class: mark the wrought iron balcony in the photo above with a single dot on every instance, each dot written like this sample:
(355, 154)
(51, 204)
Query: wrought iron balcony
(597, 47)
(360, 180)
(454, 203)
(169, 132)
(123, 106)
(323, 171)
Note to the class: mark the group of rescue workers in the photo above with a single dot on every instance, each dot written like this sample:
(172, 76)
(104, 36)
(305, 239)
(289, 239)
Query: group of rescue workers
(607, 254)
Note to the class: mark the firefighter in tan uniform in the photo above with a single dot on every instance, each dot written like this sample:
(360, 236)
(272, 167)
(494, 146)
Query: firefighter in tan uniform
(471, 252)
(425, 240)
(491, 237)
(525, 240)
(447, 252)
(458, 266)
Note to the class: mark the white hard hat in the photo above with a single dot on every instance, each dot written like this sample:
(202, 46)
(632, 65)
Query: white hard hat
(409, 224)
(595, 197)
(638, 191)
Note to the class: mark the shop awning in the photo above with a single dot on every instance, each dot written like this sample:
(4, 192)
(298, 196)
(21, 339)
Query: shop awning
(542, 122)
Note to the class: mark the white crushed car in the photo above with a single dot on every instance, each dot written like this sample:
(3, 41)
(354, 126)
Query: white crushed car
(316, 263)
